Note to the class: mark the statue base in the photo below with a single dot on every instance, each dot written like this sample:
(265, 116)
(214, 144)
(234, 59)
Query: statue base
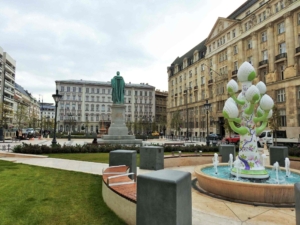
(118, 132)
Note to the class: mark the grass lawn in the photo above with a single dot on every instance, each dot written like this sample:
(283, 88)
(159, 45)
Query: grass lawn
(37, 195)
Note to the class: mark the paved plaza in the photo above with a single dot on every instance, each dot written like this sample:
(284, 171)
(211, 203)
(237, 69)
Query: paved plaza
(206, 210)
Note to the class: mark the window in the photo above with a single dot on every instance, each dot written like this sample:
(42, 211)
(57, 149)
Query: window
(281, 71)
(62, 88)
(202, 80)
(265, 54)
(209, 48)
(86, 107)
(190, 73)
(103, 98)
(102, 108)
(280, 28)
(74, 89)
(103, 91)
(202, 67)
(264, 36)
(92, 107)
(74, 97)
(280, 95)
(233, 33)
(249, 44)
(235, 49)
(298, 92)
(79, 97)
(298, 18)
(79, 106)
(282, 118)
(98, 90)
(87, 90)
(87, 98)
(97, 98)
(282, 48)
(250, 59)
(248, 12)
(93, 90)
(247, 26)
(68, 89)
(235, 65)
(281, 4)
(195, 70)
(79, 89)
(262, 2)
(97, 108)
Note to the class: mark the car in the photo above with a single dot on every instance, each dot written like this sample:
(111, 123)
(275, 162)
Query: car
(214, 137)
(30, 132)
(235, 139)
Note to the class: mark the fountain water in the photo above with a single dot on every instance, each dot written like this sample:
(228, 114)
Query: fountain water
(275, 168)
(215, 160)
(287, 167)
(230, 161)
(263, 156)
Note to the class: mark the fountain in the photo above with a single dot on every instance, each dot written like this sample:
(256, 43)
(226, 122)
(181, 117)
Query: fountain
(215, 162)
(287, 167)
(230, 160)
(248, 180)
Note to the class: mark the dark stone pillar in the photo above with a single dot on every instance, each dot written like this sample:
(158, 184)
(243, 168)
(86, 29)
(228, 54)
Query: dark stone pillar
(152, 158)
(123, 157)
(278, 154)
(164, 197)
(225, 150)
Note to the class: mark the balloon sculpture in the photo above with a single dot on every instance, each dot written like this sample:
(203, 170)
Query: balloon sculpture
(256, 109)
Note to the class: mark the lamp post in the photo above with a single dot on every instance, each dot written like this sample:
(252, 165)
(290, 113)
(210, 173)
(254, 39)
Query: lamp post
(187, 113)
(70, 125)
(56, 98)
(207, 107)
(41, 117)
(48, 117)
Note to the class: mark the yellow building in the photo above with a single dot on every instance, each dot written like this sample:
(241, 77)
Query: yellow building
(264, 33)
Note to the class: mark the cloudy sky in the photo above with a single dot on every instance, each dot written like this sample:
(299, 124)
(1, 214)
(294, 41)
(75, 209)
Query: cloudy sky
(92, 39)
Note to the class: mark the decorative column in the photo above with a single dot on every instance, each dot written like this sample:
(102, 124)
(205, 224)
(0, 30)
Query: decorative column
(289, 39)
(255, 50)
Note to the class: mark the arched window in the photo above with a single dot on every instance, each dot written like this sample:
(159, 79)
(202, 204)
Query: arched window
(92, 128)
(103, 108)
(92, 107)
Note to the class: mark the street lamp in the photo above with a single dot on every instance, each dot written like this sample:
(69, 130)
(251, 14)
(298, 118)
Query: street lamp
(48, 117)
(57, 97)
(207, 107)
(70, 125)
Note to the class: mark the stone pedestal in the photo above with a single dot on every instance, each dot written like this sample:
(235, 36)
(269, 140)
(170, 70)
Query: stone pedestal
(123, 157)
(164, 197)
(152, 158)
(278, 154)
(118, 132)
(225, 150)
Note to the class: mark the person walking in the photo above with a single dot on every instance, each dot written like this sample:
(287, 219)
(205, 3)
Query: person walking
(20, 134)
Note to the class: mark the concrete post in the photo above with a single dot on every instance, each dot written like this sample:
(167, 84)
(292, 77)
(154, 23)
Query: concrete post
(152, 158)
(225, 150)
(278, 154)
(164, 197)
(123, 157)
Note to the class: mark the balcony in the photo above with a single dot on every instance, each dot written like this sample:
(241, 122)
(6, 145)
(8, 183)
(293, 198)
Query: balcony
(264, 62)
(9, 83)
(10, 68)
(210, 82)
(196, 87)
(280, 56)
(234, 73)
(297, 50)
(176, 95)
(9, 76)
(8, 90)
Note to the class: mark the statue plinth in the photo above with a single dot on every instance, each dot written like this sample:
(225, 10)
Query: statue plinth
(118, 131)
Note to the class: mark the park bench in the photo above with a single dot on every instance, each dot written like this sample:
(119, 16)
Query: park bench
(174, 144)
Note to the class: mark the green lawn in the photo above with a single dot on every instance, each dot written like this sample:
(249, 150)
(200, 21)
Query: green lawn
(37, 195)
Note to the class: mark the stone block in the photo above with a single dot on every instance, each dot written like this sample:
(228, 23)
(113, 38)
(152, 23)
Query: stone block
(123, 157)
(152, 158)
(297, 201)
(278, 154)
(225, 150)
(164, 197)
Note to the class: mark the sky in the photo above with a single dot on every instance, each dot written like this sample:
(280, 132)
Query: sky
(93, 39)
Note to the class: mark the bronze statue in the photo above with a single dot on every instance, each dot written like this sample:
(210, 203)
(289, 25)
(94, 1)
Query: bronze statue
(118, 87)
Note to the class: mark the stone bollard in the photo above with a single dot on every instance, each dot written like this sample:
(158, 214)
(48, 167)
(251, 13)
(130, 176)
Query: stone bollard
(200, 153)
(179, 152)
(278, 154)
(164, 197)
(152, 158)
(123, 157)
(297, 202)
(225, 151)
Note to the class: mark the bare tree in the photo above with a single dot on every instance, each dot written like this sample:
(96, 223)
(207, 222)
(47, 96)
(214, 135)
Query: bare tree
(176, 121)
(274, 123)
(21, 115)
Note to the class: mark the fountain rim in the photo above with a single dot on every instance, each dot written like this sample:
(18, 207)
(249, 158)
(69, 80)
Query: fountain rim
(198, 170)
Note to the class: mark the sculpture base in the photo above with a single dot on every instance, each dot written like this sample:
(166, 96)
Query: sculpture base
(251, 174)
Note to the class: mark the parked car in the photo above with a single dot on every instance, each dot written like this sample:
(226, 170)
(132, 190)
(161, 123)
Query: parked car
(214, 137)
(235, 139)
(24, 134)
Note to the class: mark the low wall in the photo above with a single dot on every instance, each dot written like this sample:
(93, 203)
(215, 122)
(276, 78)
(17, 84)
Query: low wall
(124, 208)
(188, 161)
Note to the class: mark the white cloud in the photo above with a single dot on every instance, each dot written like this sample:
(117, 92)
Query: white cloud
(91, 40)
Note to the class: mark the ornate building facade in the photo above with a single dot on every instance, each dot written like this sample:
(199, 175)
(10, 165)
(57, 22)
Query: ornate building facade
(264, 33)
(86, 106)
(161, 110)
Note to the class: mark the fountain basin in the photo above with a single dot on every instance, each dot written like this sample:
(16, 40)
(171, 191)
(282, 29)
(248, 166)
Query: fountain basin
(251, 193)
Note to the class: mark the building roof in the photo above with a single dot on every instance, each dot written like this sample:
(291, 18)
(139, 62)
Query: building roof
(200, 48)
(21, 89)
(242, 9)
(102, 83)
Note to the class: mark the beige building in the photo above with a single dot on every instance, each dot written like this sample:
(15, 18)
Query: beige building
(265, 33)
(86, 105)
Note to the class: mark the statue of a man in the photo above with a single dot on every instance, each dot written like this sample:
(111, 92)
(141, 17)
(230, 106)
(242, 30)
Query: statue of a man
(118, 86)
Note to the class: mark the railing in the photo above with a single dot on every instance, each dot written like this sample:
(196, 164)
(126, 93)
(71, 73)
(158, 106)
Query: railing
(298, 50)
(264, 62)
(280, 56)
(234, 72)
(196, 87)
(176, 95)
(9, 67)
(210, 81)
